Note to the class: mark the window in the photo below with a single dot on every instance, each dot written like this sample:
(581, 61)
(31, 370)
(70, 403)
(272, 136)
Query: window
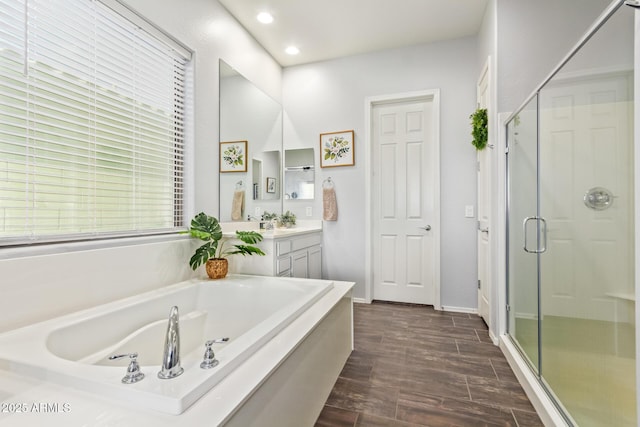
(92, 123)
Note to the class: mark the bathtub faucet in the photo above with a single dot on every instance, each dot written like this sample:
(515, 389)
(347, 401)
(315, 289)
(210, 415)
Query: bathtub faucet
(171, 357)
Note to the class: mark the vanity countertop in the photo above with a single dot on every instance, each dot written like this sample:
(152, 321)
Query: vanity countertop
(304, 227)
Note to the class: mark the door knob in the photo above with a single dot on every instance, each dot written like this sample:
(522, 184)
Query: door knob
(426, 227)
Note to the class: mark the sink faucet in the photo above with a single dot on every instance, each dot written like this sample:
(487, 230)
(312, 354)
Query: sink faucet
(260, 220)
(171, 357)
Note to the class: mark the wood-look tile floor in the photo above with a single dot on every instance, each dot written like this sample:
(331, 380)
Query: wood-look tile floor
(414, 366)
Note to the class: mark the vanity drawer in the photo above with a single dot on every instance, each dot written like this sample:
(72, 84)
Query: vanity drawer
(306, 241)
(283, 247)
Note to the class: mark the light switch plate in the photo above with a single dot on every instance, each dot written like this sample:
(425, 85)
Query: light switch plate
(468, 211)
(309, 211)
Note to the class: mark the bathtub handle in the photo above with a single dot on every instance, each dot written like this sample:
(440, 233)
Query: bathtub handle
(209, 359)
(133, 370)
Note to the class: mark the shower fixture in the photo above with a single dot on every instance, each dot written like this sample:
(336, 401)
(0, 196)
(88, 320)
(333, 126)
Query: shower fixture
(598, 198)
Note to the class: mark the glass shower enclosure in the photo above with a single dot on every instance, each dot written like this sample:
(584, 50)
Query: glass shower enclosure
(570, 257)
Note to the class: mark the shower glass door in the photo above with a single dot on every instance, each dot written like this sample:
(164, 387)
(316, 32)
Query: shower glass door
(571, 275)
(586, 198)
(522, 134)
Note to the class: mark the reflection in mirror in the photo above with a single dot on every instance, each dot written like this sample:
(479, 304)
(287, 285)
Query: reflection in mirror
(248, 114)
(265, 176)
(299, 174)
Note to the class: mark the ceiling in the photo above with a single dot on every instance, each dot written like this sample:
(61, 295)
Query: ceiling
(327, 29)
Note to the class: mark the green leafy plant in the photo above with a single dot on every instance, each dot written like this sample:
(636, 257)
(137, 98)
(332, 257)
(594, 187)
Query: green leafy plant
(269, 216)
(287, 218)
(208, 229)
(480, 130)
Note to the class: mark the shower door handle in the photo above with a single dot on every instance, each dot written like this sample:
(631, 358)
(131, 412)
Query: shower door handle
(540, 249)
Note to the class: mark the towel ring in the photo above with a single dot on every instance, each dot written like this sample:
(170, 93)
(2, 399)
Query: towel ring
(328, 183)
(239, 185)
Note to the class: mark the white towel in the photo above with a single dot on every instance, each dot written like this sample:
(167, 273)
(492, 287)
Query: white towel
(329, 205)
(238, 205)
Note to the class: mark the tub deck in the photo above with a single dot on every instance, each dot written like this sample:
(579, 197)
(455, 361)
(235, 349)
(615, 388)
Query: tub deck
(326, 300)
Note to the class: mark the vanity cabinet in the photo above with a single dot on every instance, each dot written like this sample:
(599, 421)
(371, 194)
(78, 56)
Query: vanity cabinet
(292, 255)
(299, 256)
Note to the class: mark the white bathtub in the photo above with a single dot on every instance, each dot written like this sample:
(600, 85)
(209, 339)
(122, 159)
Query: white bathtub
(72, 350)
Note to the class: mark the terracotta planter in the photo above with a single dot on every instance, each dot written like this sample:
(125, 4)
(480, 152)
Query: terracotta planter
(217, 268)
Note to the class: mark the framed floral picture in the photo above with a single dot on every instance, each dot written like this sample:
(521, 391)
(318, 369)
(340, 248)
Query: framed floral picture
(336, 149)
(233, 156)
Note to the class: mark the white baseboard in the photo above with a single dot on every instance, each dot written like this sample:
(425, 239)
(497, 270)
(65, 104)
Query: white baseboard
(460, 309)
(444, 308)
(495, 339)
(547, 411)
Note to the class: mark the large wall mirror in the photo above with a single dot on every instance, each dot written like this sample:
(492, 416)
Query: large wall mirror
(253, 184)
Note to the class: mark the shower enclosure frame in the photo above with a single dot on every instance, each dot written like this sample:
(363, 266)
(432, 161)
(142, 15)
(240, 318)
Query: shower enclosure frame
(541, 396)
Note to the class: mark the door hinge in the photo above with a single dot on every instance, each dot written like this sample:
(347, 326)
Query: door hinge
(506, 150)
(508, 307)
(479, 284)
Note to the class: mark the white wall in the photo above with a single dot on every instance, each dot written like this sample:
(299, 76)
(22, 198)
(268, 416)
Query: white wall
(487, 42)
(636, 162)
(68, 277)
(533, 36)
(329, 96)
(43, 286)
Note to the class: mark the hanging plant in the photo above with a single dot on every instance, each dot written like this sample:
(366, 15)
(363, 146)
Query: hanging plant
(479, 131)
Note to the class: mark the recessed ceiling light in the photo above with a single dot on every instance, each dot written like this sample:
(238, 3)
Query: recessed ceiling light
(292, 50)
(265, 17)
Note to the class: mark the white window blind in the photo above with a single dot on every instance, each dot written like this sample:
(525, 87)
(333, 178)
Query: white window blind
(91, 124)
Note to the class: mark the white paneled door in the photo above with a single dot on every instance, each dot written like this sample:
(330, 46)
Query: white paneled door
(484, 208)
(405, 201)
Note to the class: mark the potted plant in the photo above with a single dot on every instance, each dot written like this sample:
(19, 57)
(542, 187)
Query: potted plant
(269, 218)
(213, 253)
(287, 219)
